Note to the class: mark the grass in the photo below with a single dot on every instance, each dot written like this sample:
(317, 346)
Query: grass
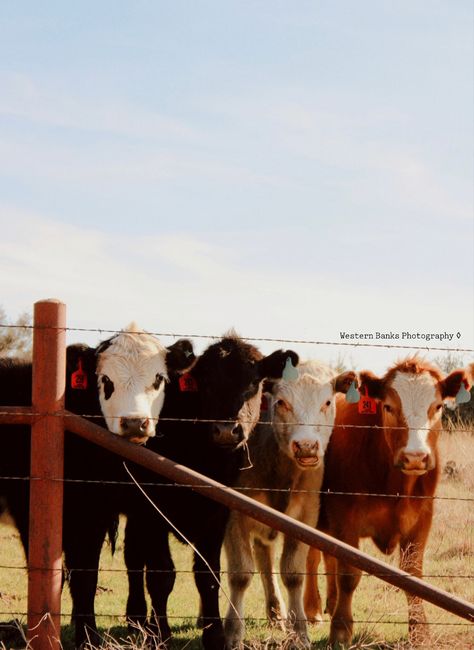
(381, 608)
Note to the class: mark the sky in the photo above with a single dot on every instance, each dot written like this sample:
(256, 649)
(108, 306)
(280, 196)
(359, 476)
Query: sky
(290, 170)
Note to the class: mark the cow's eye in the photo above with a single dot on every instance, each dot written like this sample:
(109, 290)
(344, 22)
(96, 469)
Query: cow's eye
(108, 386)
(158, 381)
(328, 403)
(387, 408)
(438, 406)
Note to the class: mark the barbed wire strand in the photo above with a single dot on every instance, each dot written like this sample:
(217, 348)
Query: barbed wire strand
(225, 572)
(214, 337)
(247, 618)
(96, 416)
(190, 486)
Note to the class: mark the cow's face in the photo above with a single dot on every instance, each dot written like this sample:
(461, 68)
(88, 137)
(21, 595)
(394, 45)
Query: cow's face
(304, 411)
(132, 369)
(229, 376)
(412, 395)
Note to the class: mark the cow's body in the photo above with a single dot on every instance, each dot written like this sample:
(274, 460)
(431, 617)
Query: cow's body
(225, 392)
(91, 500)
(392, 452)
(287, 469)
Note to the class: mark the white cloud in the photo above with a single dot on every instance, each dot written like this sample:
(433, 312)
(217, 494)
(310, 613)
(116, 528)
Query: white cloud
(182, 284)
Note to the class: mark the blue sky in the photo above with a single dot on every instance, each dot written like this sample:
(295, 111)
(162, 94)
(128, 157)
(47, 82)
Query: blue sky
(289, 169)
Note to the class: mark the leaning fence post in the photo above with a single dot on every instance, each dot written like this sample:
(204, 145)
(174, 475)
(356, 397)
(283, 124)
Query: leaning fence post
(47, 461)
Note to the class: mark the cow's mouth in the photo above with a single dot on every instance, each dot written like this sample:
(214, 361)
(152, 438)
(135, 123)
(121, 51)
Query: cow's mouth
(414, 472)
(138, 440)
(307, 461)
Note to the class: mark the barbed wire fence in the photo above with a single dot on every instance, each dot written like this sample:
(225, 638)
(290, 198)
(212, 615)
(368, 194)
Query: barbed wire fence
(415, 349)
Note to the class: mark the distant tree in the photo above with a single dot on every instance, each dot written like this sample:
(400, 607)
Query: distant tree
(15, 336)
(449, 361)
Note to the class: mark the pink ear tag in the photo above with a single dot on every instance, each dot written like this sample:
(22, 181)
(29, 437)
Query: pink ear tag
(367, 405)
(79, 378)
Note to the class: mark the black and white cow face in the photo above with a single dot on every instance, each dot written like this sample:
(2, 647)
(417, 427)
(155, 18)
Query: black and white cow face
(132, 369)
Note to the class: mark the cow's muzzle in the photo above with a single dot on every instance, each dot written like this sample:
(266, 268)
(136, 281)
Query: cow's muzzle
(306, 453)
(136, 429)
(227, 435)
(414, 463)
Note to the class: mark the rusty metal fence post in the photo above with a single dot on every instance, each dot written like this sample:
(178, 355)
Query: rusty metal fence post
(47, 463)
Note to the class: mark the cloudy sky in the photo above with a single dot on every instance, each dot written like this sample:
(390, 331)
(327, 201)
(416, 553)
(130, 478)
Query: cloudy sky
(290, 169)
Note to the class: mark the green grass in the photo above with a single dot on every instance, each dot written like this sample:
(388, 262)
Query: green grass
(450, 552)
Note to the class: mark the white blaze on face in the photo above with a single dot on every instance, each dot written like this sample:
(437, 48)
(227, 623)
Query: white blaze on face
(131, 376)
(304, 409)
(417, 392)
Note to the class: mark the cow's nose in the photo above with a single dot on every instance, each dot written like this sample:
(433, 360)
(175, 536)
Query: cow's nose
(227, 434)
(415, 459)
(134, 426)
(305, 447)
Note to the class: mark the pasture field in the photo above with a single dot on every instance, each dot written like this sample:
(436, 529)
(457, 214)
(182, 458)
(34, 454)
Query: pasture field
(380, 608)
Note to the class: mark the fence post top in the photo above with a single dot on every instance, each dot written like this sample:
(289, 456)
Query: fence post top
(50, 300)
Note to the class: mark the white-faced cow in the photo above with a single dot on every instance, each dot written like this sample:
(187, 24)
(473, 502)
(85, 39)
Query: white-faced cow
(121, 380)
(393, 452)
(207, 417)
(287, 470)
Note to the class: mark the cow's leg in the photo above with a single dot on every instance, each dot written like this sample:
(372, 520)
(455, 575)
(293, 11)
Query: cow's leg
(207, 584)
(264, 558)
(347, 579)
(312, 598)
(240, 567)
(412, 547)
(160, 579)
(330, 568)
(82, 547)
(135, 555)
(293, 565)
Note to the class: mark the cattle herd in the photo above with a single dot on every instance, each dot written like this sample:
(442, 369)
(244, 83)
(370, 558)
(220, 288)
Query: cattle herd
(295, 435)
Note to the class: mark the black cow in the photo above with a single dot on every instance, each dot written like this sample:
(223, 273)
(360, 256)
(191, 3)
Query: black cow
(223, 387)
(91, 500)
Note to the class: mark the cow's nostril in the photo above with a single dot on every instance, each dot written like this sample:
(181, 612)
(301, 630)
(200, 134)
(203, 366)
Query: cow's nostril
(144, 424)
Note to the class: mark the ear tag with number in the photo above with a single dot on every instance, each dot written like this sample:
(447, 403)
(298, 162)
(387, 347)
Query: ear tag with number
(79, 378)
(463, 395)
(290, 373)
(352, 395)
(367, 405)
(187, 383)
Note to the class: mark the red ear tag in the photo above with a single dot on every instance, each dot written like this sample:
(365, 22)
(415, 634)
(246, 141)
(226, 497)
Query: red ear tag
(367, 405)
(79, 378)
(187, 383)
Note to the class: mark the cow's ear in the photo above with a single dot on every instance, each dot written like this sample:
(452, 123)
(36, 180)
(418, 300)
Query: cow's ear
(343, 382)
(180, 356)
(372, 385)
(272, 367)
(453, 383)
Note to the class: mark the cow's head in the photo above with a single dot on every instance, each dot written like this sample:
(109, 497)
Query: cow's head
(229, 377)
(411, 395)
(304, 411)
(132, 369)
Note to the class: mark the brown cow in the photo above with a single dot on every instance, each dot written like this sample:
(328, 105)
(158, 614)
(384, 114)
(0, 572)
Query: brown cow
(399, 458)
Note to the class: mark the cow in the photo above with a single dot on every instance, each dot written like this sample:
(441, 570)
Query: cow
(121, 383)
(207, 418)
(392, 451)
(287, 469)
